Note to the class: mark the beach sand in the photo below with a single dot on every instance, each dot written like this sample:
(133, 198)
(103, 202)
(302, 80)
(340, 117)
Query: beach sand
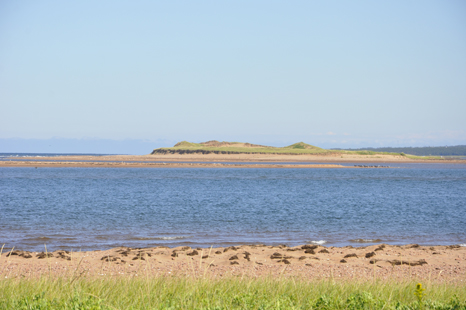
(312, 262)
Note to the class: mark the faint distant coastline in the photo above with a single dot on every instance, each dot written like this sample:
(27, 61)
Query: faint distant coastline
(457, 150)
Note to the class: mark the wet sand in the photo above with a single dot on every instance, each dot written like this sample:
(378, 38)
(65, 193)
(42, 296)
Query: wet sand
(312, 262)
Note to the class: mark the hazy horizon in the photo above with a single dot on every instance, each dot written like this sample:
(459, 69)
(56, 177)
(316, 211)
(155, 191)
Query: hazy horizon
(130, 146)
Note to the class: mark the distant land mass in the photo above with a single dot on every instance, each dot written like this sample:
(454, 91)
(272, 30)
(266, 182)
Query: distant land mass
(224, 147)
(216, 147)
(301, 148)
(457, 150)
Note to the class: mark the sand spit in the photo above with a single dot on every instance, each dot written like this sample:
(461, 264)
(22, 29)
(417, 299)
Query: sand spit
(313, 262)
(101, 164)
(216, 161)
(272, 158)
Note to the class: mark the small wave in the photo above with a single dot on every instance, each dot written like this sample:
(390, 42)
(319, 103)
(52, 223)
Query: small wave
(366, 240)
(462, 244)
(161, 238)
(319, 242)
(170, 238)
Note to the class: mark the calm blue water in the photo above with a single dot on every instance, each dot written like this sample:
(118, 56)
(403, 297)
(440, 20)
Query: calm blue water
(3, 156)
(100, 208)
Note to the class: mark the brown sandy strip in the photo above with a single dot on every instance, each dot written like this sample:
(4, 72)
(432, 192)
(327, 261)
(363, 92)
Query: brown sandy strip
(41, 164)
(408, 262)
(247, 158)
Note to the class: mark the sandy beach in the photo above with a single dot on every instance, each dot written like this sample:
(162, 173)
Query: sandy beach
(408, 262)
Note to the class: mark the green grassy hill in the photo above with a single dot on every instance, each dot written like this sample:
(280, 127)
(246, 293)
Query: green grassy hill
(300, 148)
(216, 147)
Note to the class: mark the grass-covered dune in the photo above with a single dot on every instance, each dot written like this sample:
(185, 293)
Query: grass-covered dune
(226, 293)
(216, 147)
(300, 148)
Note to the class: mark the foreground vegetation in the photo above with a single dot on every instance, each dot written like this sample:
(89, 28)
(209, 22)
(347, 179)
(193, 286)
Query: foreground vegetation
(229, 293)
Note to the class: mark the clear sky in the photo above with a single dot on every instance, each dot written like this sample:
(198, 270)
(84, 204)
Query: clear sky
(329, 73)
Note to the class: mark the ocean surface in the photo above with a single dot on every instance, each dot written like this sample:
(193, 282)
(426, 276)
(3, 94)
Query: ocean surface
(101, 208)
(5, 156)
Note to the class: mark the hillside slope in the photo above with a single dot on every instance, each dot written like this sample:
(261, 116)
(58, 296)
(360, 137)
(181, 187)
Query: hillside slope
(216, 147)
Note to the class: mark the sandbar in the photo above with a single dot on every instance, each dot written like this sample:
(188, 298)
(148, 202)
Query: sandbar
(215, 161)
(103, 164)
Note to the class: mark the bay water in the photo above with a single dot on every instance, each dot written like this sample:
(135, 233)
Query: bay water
(101, 208)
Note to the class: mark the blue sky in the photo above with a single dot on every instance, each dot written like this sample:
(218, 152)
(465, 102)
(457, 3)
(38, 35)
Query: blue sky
(330, 73)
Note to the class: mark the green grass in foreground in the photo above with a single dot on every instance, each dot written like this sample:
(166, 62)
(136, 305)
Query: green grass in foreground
(229, 293)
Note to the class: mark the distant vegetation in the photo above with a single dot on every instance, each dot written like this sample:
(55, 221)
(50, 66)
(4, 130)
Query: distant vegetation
(300, 148)
(458, 150)
(217, 147)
